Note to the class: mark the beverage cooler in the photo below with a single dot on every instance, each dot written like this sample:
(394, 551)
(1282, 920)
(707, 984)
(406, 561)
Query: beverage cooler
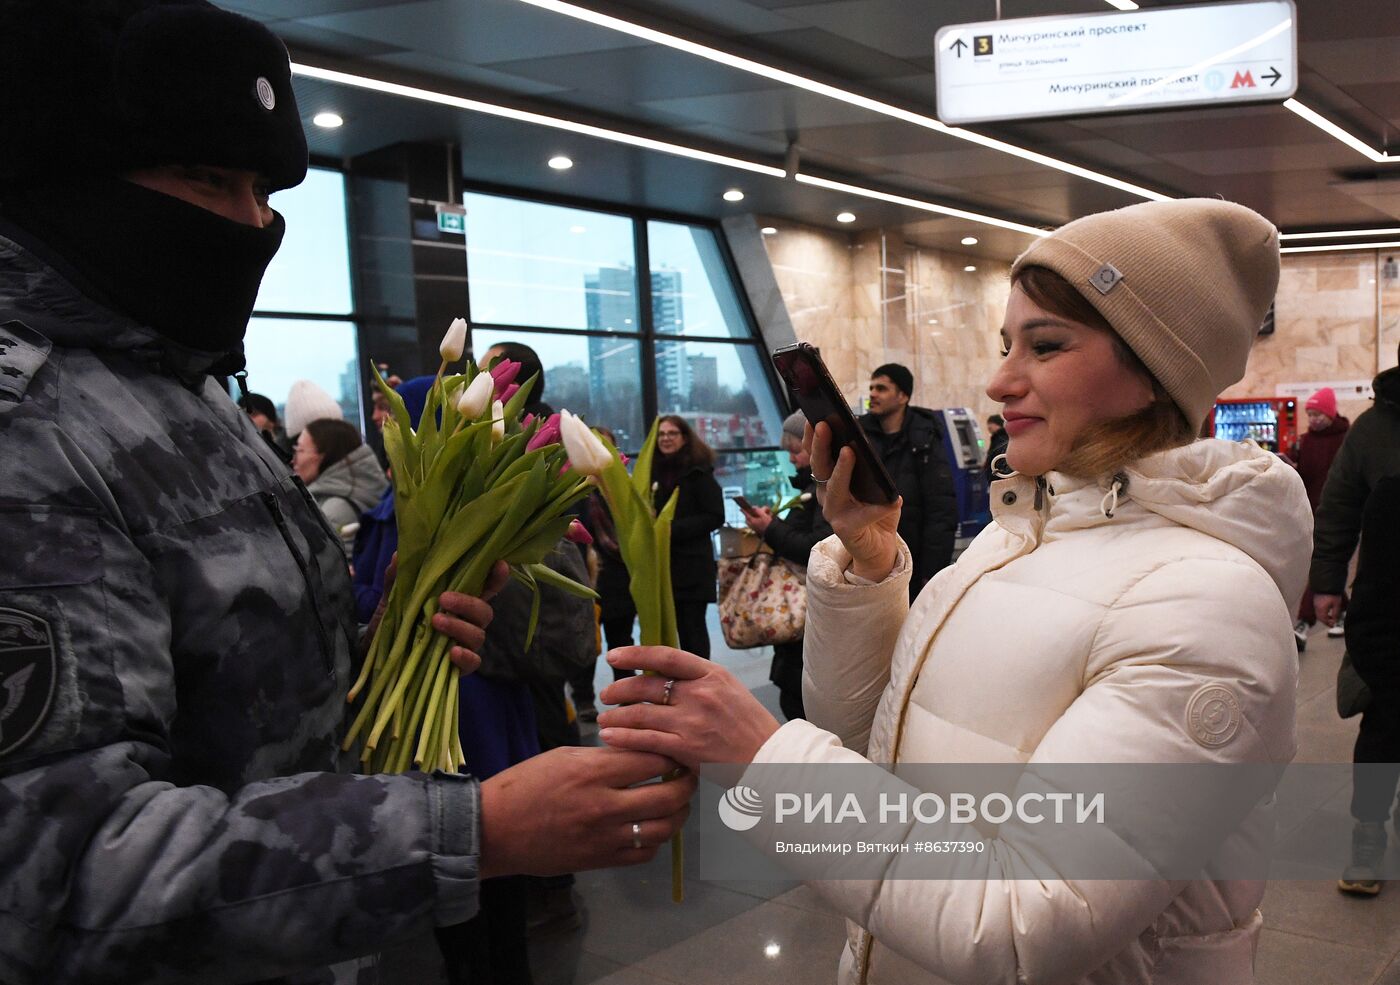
(1271, 422)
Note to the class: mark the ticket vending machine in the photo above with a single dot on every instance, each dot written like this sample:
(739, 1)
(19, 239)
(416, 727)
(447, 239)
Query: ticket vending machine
(962, 442)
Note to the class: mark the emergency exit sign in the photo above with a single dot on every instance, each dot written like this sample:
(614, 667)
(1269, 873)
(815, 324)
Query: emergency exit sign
(452, 221)
(1209, 54)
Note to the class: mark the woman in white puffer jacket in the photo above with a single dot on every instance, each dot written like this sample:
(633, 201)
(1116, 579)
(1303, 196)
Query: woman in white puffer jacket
(1129, 605)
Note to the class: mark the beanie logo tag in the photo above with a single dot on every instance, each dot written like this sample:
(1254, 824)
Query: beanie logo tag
(1106, 278)
(266, 96)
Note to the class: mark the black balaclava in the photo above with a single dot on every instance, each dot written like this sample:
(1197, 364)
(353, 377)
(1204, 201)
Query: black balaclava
(133, 84)
(184, 271)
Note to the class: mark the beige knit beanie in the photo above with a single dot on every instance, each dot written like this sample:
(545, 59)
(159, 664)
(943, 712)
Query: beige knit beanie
(1185, 284)
(307, 402)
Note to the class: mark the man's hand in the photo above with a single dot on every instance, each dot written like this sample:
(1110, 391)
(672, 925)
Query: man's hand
(574, 808)
(463, 618)
(759, 519)
(1328, 608)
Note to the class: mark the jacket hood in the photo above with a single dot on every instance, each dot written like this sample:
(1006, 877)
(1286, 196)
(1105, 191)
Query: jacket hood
(1387, 389)
(1235, 492)
(33, 292)
(356, 477)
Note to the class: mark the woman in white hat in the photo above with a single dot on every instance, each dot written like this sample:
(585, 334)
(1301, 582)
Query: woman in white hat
(1130, 605)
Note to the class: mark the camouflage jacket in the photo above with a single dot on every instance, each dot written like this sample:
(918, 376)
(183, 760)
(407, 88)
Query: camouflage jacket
(175, 647)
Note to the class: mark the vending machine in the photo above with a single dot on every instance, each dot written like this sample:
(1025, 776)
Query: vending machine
(962, 442)
(1270, 422)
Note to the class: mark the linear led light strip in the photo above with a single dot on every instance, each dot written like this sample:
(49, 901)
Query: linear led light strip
(1340, 247)
(1393, 231)
(1331, 129)
(833, 92)
(646, 143)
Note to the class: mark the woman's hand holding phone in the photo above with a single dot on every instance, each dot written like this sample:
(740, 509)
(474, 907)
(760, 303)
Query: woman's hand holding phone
(869, 532)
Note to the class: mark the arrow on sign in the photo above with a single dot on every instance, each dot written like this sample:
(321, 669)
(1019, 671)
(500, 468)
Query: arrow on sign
(1273, 78)
(959, 45)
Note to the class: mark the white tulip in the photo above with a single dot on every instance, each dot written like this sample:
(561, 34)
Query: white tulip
(587, 453)
(498, 418)
(454, 343)
(477, 396)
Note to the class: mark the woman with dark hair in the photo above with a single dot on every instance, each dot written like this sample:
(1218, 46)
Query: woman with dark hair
(683, 461)
(1138, 585)
(340, 472)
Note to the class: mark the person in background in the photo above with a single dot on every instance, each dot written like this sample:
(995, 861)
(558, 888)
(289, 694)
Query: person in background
(1130, 605)
(307, 402)
(909, 440)
(1313, 455)
(1370, 452)
(530, 365)
(340, 472)
(1373, 641)
(263, 413)
(170, 788)
(686, 463)
(792, 538)
(616, 613)
(378, 536)
(996, 445)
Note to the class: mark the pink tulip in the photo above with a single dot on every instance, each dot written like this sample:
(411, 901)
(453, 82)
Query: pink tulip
(510, 391)
(505, 372)
(578, 534)
(548, 434)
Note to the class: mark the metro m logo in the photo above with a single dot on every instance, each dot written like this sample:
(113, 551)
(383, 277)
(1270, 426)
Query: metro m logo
(1243, 80)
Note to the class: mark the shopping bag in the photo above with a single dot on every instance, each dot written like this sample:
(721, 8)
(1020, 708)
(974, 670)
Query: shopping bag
(762, 600)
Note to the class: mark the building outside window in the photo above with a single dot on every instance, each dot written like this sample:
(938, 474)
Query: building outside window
(619, 348)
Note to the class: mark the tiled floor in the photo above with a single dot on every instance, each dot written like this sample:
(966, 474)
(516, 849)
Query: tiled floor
(759, 933)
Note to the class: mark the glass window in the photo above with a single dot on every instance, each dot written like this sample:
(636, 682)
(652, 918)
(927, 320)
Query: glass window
(692, 292)
(721, 389)
(761, 477)
(281, 351)
(311, 272)
(597, 377)
(549, 266)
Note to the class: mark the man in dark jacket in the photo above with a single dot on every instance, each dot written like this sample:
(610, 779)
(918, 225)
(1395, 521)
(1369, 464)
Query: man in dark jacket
(792, 538)
(1370, 452)
(910, 441)
(176, 629)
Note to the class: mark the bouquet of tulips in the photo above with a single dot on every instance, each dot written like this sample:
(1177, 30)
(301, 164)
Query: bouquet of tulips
(472, 485)
(644, 540)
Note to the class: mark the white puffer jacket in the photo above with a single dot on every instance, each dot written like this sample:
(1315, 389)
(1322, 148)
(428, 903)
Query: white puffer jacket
(1075, 629)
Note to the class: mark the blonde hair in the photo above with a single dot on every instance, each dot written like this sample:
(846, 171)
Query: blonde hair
(1105, 448)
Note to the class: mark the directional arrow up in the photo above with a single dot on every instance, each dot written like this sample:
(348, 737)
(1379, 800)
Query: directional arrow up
(959, 45)
(1273, 78)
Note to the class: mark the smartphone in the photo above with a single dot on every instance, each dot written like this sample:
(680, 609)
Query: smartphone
(744, 504)
(820, 399)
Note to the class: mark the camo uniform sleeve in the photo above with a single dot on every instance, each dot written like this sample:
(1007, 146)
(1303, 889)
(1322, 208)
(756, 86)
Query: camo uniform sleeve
(111, 872)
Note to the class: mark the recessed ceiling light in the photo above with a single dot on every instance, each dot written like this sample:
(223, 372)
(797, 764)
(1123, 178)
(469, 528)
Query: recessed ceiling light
(733, 195)
(846, 217)
(560, 163)
(969, 241)
(769, 230)
(772, 949)
(578, 229)
(328, 120)
(970, 268)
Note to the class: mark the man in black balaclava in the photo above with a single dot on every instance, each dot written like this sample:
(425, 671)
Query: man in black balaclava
(176, 631)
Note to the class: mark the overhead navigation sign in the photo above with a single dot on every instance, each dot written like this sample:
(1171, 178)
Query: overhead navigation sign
(1211, 54)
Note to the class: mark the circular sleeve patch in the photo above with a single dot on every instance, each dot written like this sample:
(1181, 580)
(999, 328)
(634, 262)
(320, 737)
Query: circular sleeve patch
(28, 672)
(1213, 715)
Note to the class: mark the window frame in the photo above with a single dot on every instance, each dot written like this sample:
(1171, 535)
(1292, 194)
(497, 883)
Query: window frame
(646, 334)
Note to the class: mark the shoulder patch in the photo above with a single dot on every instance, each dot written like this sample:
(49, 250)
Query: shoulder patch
(22, 352)
(1213, 715)
(28, 672)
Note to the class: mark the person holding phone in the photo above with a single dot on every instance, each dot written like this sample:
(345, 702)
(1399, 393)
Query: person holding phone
(1140, 583)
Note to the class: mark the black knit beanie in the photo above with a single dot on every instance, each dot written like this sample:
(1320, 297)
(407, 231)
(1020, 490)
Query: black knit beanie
(99, 87)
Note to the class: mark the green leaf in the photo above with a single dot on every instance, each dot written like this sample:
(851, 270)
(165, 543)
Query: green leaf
(546, 575)
(525, 576)
(516, 404)
(667, 632)
(641, 471)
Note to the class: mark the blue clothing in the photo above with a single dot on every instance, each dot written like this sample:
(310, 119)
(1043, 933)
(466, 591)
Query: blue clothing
(375, 544)
(496, 722)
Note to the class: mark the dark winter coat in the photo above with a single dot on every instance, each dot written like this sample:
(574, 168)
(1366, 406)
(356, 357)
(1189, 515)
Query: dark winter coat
(1370, 452)
(919, 466)
(176, 642)
(1314, 454)
(793, 537)
(699, 513)
(1373, 618)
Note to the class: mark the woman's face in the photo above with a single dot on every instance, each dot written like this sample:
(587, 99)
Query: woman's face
(1057, 377)
(306, 458)
(669, 438)
(797, 455)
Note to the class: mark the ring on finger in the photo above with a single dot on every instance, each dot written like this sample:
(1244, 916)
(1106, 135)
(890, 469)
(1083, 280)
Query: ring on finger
(666, 690)
(636, 835)
(821, 482)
